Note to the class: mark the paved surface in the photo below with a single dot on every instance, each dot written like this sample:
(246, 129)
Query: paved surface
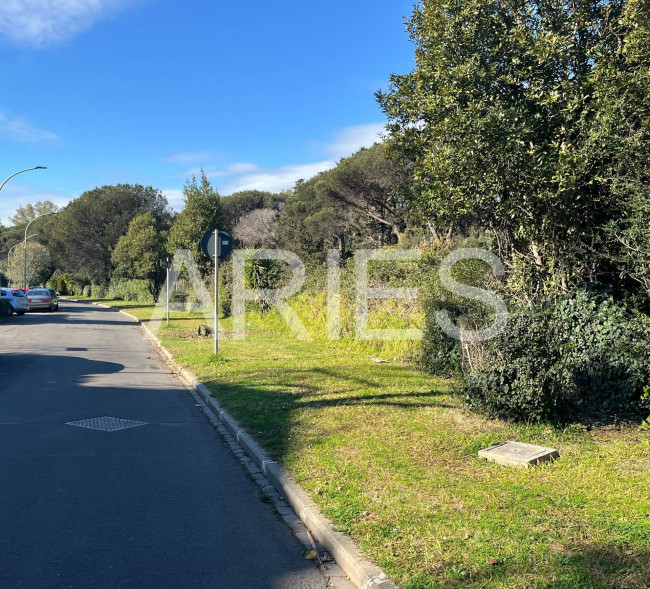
(161, 505)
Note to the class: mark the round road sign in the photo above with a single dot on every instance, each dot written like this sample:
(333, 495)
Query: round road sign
(224, 244)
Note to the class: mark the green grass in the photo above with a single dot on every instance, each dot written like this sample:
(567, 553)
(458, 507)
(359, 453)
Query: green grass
(389, 454)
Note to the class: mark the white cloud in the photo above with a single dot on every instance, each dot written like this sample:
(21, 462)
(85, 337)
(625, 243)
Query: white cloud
(174, 198)
(18, 129)
(243, 176)
(16, 194)
(43, 22)
(249, 176)
(351, 139)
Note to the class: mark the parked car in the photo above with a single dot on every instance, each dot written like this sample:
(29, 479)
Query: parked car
(43, 298)
(17, 299)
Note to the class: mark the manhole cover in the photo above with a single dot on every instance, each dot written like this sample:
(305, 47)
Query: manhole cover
(106, 424)
(518, 454)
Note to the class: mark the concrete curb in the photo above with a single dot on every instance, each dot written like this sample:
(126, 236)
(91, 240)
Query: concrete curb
(347, 555)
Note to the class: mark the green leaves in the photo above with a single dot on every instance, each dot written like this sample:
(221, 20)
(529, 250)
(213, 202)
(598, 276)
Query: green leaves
(585, 351)
(137, 253)
(526, 118)
(85, 232)
(202, 213)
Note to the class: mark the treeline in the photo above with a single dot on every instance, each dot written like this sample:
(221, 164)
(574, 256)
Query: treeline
(118, 233)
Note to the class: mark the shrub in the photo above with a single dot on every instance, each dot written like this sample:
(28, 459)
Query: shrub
(130, 290)
(99, 291)
(63, 283)
(585, 352)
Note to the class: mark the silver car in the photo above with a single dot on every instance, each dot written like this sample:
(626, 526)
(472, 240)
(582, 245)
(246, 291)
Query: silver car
(43, 298)
(17, 299)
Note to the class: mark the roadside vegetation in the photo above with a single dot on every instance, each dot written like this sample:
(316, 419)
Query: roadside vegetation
(522, 131)
(389, 453)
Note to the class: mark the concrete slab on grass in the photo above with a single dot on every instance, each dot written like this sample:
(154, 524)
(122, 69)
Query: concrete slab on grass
(511, 453)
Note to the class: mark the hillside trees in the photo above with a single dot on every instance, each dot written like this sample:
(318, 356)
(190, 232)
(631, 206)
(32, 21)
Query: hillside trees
(355, 204)
(9, 236)
(368, 182)
(239, 204)
(312, 221)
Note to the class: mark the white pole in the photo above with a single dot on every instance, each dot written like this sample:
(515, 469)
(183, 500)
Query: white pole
(167, 286)
(216, 292)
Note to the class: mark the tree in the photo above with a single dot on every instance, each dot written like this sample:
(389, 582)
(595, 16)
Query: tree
(239, 204)
(24, 215)
(510, 122)
(624, 91)
(138, 252)
(312, 221)
(85, 232)
(10, 236)
(256, 228)
(202, 212)
(368, 182)
(39, 264)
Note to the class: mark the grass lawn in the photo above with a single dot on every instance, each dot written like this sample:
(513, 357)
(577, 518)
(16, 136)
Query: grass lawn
(389, 454)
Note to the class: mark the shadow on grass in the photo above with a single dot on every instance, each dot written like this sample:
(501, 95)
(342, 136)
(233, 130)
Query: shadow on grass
(270, 415)
(586, 567)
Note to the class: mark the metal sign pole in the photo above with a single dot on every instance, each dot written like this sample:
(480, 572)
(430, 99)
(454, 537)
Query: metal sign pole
(167, 285)
(222, 247)
(216, 292)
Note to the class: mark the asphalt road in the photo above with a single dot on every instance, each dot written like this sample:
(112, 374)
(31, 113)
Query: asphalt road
(161, 505)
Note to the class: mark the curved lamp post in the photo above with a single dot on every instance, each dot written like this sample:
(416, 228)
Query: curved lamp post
(25, 244)
(20, 172)
(16, 245)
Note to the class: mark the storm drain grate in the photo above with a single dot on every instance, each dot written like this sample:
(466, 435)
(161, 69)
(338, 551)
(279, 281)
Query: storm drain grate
(106, 424)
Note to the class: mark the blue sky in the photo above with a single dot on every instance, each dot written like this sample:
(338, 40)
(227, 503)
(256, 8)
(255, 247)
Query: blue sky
(257, 93)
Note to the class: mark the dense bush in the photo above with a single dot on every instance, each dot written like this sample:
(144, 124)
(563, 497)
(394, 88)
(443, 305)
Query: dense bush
(99, 291)
(130, 290)
(586, 352)
(441, 354)
(63, 283)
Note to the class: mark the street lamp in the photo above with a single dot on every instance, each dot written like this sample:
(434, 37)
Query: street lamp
(16, 245)
(20, 172)
(25, 245)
